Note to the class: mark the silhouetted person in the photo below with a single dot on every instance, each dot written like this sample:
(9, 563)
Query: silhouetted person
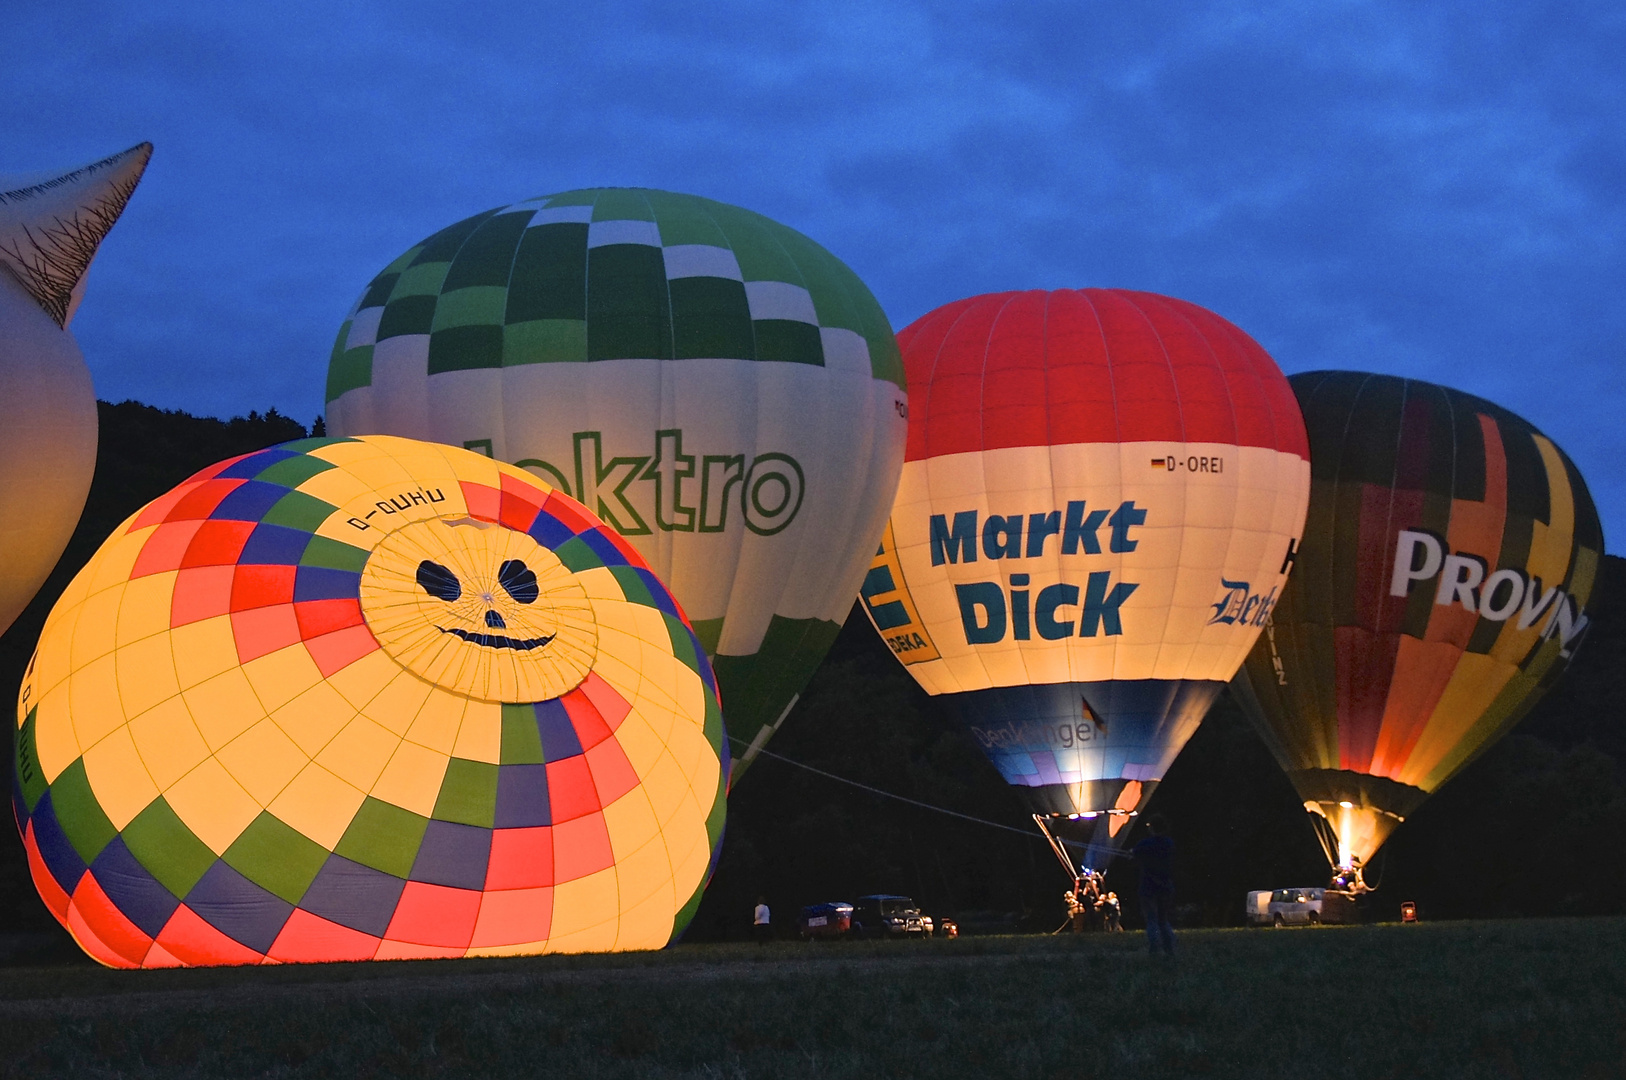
(762, 921)
(1156, 857)
(1075, 906)
(1089, 899)
(1111, 913)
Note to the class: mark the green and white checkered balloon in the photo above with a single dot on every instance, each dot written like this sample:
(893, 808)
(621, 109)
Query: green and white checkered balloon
(716, 386)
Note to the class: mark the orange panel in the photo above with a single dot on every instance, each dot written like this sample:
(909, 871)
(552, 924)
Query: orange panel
(308, 938)
(485, 503)
(435, 915)
(192, 941)
(157, 510)
(98, 949)
(264, 630)
(513, 916)
(201, 593)
(613, 774)
(610, 705)
(407, 950)
(590, 726)
(204, 498)
(520, 858)
(255, 586)
(338, 650)
(165, 548)
(571, 793)
(318, 617)
(581, 847)
(108, 923)
(518, 482)
(1422, 671)
(217, 543)
(160, 957)
(519, 508)
(1451, 734)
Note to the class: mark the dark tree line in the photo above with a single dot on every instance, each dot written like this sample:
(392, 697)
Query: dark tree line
(1536, 826)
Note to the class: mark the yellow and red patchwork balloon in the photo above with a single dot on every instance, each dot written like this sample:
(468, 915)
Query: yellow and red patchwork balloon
(367, 698)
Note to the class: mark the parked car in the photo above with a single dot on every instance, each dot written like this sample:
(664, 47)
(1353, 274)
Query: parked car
(832, 919)
(1284, 907)
(887, 915)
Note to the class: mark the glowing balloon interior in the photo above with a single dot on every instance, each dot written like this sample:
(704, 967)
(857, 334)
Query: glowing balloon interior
(1101, 498)
(718, 388)
(370, 698)
(1449, 555)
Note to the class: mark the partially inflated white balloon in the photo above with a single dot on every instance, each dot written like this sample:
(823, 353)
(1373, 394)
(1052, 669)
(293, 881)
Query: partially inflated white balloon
(50, 228)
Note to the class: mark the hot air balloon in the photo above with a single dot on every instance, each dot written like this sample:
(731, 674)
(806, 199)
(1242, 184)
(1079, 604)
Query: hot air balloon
(352, 699)
(1101, 497)
(1441, 589)
(716, 387)
(50, 228)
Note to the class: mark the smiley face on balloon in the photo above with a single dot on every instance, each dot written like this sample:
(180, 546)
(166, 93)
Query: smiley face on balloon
(516, 580)
(475, 605)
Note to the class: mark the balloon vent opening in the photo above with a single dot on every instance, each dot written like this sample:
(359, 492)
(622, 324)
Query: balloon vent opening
(1353, 813)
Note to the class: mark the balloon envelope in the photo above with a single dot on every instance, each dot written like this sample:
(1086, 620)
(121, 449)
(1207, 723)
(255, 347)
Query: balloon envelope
(717, 387)
(367, 699)
(50, 228)
(1447, 561)
(1101, 493)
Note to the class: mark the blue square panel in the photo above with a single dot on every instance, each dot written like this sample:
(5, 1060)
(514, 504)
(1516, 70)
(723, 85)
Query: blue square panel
(238, 908)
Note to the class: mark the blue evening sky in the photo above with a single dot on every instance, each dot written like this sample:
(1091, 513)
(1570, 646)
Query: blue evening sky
(1428, 189)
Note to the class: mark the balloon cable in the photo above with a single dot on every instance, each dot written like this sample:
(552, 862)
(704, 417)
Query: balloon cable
(1329, 839)
(900, 798)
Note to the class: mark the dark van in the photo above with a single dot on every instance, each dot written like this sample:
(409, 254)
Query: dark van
(886, 915)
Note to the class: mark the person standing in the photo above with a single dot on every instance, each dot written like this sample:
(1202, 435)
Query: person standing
(1155, 854)
(1111, 913)
(762, 921)
(1090, 900)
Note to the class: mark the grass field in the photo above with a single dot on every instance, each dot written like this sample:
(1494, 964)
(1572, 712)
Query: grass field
(1493, 999)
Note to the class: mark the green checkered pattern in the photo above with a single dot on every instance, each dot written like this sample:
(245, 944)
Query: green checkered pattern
(611, 274)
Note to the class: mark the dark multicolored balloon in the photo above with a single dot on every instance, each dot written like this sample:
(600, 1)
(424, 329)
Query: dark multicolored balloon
(1441, 588)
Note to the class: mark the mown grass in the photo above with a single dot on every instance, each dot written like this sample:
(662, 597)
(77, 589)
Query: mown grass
(1500, 999)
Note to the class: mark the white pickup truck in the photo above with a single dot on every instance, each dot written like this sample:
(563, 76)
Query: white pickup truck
(1284, 907)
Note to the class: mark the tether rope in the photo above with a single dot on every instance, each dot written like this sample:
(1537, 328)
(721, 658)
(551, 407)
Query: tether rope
(904, 798)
